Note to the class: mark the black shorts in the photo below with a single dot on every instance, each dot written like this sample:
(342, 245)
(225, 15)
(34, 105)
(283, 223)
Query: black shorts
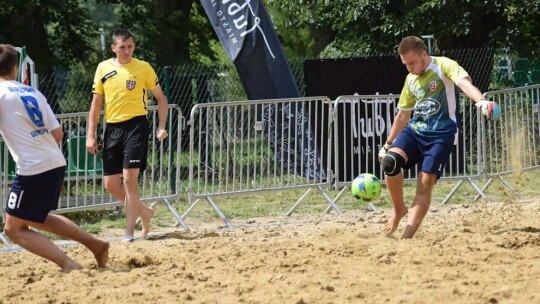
(125, 145)
(32, 197)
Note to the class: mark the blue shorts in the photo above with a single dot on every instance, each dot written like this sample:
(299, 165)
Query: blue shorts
(32, 197)
(433, 156)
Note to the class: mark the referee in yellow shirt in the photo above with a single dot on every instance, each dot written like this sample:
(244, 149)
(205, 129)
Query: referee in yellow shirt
(123, 82)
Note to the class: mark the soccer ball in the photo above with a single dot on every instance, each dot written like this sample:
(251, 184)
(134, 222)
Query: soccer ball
(366, 187)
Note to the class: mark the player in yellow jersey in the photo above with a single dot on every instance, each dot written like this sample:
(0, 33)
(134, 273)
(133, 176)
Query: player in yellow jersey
(123, 83)
(427, 136)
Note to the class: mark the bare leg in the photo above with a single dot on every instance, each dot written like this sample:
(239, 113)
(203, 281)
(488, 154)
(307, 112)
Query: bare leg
(134, 207)
(65, 228)
(421, 203)
(146, 215)
(17, 229)
(395, 188)
(114, 186)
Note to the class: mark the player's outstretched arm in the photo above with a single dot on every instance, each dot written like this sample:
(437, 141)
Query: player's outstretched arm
(489, 109)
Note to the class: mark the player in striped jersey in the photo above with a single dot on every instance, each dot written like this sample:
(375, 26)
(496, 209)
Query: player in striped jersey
(427, 136)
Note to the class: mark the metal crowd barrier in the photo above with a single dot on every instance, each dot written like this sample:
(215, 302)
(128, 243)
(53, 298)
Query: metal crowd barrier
(83, 188)
(298, 143)
(265, 145)
(362, 124)
(512, 144)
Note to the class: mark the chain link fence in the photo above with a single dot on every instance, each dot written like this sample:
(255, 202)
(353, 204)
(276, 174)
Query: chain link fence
(190, 84)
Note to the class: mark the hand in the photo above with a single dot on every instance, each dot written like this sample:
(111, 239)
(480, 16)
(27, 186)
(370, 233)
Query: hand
(161, 134)
(384, 150)
(91, 145)
(490, 109)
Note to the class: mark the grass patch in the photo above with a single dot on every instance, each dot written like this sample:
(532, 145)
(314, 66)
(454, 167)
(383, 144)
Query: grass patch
(277, 203)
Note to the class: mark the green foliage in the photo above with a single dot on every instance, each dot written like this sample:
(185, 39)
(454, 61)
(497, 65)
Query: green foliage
(56, 33)
(66, 34)
(377, 26)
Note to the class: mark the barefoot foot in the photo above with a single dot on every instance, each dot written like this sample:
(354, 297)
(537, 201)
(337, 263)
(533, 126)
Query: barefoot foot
(394, 220)
(145, 219)
(101, 253)
(70, 266)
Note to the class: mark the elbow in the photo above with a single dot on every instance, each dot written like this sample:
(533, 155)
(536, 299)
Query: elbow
(58, 135)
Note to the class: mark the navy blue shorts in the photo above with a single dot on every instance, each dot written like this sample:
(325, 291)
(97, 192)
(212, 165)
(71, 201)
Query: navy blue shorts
(433, 156)
(32, 197)
(125, 145)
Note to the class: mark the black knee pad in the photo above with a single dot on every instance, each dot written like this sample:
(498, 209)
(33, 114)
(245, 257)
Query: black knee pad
(392, 163)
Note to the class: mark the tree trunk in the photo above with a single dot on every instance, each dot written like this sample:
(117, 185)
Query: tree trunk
(172, 22)
(27, 30)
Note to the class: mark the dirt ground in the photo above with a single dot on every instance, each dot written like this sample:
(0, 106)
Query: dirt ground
(462, 254)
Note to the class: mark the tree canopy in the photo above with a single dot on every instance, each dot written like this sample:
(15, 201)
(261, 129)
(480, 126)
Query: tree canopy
(66, 33)
(351, 26)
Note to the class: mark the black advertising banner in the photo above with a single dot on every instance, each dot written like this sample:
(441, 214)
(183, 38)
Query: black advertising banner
(247, 34)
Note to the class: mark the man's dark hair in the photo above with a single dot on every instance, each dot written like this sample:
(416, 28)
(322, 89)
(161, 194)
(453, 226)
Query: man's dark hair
(122, 34)
(8, 59)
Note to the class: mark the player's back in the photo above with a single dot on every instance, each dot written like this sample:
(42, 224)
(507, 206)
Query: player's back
(26, 122)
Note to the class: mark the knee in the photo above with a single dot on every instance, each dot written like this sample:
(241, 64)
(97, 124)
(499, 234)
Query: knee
(12, 233)
(426, 182)
(392, 163)
(110, 186)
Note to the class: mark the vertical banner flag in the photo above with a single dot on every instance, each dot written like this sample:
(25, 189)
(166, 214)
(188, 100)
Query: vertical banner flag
(247, 34)
(24, 74)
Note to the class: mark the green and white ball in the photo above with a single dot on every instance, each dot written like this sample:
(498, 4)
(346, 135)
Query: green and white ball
(366, 187)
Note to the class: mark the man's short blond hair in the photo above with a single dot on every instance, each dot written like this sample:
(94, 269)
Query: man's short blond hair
(411, 43)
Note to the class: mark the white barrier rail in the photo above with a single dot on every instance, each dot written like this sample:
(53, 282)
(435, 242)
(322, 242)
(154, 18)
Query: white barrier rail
(83, 188)
(512, 144)
(285, 144)
(363, 122)
(249, 146)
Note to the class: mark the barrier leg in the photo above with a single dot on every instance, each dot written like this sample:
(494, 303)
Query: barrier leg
(298, 202)
(371, 206)
(454, 190)
(4, 239)
(188, 210)
(330, 200)
(507, 185)
(176, 215)
(337, 198)
(219, 213)
(481, 192)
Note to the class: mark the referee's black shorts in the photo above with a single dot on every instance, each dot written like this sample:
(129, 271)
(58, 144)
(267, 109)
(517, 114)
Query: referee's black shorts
(125, 145)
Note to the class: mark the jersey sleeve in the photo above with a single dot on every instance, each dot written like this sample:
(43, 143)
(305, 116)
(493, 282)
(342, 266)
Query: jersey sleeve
(97, 85)
(151, 78)
(406, 99)
(453, 70)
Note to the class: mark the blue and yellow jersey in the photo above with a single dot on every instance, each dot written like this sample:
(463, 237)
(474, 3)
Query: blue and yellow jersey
(124, 88)
(434, 97)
